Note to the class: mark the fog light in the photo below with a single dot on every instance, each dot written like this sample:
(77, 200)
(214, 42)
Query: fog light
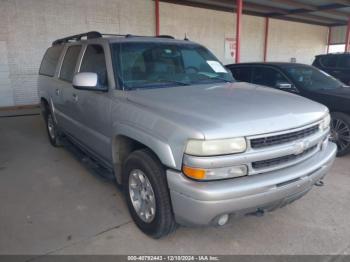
(223, 219)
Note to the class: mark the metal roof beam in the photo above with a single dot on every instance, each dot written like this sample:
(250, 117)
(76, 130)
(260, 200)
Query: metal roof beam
(257, 10)
(305, 9)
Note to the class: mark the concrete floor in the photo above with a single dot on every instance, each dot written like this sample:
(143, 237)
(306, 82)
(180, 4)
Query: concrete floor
(51, 204)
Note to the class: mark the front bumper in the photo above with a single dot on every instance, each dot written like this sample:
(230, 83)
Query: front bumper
(200, 203)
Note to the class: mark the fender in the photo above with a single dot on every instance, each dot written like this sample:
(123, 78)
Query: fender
(157, 144)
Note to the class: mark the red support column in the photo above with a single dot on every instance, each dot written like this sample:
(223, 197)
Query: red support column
(157, 17)
(347, 39)
(329, 38)
(239, 9)
(267, 22)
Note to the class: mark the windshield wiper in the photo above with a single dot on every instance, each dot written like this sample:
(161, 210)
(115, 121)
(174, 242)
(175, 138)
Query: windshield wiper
(217, 77)
(155, 84)
(171, 81)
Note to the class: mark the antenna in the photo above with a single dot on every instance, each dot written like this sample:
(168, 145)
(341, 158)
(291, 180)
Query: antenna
(186, 39)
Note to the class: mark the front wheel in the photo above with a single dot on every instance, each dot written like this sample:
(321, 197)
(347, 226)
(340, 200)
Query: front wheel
(340, 132)
(147, 195)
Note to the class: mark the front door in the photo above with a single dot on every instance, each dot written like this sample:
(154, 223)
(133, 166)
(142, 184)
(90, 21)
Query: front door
(92, 108)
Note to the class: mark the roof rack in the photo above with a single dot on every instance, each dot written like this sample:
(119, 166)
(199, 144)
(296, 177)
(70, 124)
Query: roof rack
(95, 34)
(88, 35)
(166, 36)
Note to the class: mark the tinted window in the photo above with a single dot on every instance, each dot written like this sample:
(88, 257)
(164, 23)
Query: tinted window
(329, 61)
(50, 61)
(344, 62)
(94, 62)
(242, 74)
(311, 78)
(69, 63)
(154, 65)
(268, 77)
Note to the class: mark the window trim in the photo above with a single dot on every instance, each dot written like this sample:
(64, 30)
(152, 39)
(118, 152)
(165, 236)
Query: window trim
(63, 58)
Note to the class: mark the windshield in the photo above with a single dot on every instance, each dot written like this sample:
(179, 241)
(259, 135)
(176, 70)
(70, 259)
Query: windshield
(311, 78)
(155, 65)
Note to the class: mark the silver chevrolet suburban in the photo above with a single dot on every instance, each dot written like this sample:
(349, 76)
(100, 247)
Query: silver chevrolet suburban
(188, 144)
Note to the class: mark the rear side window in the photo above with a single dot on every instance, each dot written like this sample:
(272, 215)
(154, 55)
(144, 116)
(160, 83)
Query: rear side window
(69, 63)
(50, 61)
(329, 61)
(94, 61)
(344, 62)
(242, 73)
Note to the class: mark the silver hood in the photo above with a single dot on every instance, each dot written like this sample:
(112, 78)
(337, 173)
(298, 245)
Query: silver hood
(229, 110)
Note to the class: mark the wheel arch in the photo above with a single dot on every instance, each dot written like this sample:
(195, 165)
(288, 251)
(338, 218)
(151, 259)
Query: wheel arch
(123, 145)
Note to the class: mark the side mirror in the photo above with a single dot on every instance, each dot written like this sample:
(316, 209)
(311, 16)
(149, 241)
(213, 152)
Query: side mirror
(286, 87)
(87, 81)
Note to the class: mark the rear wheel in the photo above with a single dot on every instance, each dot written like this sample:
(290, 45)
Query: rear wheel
(147, 195)
(52, 131)
(340, 132)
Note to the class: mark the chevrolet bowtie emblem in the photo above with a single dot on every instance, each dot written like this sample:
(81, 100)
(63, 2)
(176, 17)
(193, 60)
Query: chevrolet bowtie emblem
(300, 147)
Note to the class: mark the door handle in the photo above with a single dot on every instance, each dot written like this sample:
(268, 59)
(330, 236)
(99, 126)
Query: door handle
(75, 97)
(57, 91)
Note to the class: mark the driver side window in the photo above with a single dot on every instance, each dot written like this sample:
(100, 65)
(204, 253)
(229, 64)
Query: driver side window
(267, 76)
(94, 61)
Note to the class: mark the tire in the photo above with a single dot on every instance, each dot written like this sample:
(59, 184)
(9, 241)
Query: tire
(340, 132)
(52, 129)
(153, 186)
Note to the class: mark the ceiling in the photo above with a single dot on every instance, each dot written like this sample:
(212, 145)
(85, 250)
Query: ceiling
(318, 12)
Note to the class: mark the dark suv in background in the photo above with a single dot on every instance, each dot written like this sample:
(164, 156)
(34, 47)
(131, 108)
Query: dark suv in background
(306, 81)
(337, 65)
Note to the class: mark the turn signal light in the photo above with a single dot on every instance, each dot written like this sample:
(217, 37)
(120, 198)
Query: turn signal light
(195, 173)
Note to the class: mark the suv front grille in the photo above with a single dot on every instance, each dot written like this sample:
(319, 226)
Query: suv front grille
(281, 160)
(262, 142)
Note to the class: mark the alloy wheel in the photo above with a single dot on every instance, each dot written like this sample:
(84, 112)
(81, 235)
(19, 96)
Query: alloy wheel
(340, 133)
(142, 196)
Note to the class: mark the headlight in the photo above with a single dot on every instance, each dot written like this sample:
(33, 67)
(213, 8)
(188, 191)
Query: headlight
(215, 173)
(216, 147)
(324, 125)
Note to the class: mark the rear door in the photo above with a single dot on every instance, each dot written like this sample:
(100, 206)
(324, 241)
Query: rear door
(47, 80)
(68, 69)
(344, 69)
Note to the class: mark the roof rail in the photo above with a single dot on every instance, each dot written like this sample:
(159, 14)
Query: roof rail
(165, 36)
(95, 34)
(159, 36)
(88, 35)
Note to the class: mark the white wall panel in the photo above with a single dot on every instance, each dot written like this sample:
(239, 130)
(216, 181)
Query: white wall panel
(27, 28)
(295, 40)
